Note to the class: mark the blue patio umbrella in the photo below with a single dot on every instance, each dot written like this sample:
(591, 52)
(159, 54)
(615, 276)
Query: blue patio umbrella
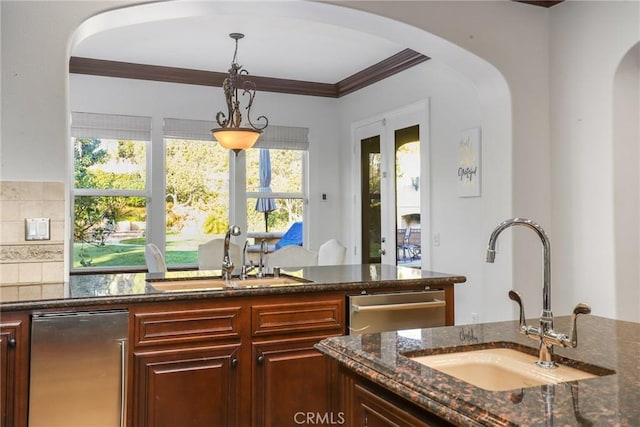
(265, 204)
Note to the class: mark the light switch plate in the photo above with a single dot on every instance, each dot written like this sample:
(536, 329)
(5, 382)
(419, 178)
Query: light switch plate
(37, 229)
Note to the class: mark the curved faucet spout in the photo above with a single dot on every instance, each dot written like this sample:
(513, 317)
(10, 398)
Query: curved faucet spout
(546, 317)
(545, 334)
(546, 246)
(227, 264)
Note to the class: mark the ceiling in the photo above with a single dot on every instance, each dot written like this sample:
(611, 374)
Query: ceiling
(275, 48)
(280, 48)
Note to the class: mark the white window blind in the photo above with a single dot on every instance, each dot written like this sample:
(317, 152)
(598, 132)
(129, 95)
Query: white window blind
(276, 137)
(110, 126)
(284, 138)
(197, 130)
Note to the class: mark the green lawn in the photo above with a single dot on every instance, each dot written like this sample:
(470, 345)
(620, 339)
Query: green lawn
(130, 252)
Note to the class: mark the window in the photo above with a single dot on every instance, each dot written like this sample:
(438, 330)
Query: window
(276, 180)
(110, 189)
(196, 189)
(191, 189)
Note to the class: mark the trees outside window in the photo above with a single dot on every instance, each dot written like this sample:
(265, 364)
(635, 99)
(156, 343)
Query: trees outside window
(115, 184)
(286, 190)
(196, 196)
(109, 210)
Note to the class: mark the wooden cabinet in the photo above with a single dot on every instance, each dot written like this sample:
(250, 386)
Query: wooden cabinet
(188, 387)
(292, 381)
(186, 365)
(14, 369)
(241, 362)
(368, 405)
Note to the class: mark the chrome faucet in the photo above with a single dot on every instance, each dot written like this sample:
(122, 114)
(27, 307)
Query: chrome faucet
(263, 251)
(227, 264)
(544, 334)
(246, 268)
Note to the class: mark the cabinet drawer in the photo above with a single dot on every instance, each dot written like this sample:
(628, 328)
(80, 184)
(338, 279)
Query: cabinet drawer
(324, 315)
(186, 326)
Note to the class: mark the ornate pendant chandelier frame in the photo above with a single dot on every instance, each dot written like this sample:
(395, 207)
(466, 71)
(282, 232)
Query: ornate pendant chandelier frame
(231, 134)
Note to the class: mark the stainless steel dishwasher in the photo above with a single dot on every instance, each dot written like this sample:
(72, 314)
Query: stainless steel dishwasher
(392, 311)
(78, 369)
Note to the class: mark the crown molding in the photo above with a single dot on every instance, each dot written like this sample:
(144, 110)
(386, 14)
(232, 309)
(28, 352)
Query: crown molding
(385, 68)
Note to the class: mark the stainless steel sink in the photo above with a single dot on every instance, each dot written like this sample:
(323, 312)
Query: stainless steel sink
(499, 369)
(213, 283)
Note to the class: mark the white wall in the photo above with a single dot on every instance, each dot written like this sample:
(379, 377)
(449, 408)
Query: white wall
(513, 38)
(590, 39)
(454, 106)
(626, 170)
(172, 100)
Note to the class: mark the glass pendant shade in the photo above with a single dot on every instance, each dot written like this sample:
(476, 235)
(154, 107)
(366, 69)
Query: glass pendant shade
(236, 139)
(230, 134)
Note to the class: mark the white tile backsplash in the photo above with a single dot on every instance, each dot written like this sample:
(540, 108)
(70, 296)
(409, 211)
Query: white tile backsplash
(31, 270)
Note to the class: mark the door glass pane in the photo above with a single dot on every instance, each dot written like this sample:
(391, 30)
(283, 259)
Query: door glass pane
(371, 219)
(197, 197)
(407, 164)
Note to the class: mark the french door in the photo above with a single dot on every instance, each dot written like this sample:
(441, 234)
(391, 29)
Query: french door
(391, 193)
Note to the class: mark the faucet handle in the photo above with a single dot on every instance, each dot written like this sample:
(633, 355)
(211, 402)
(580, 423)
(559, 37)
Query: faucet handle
(580, 308)
(514, 296)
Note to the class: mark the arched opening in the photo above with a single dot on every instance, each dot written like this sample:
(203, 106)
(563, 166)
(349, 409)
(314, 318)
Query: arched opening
(626, 167)
(492, 114)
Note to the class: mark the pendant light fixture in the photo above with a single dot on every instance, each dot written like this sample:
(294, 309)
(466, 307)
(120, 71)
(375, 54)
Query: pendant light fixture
(231, 135)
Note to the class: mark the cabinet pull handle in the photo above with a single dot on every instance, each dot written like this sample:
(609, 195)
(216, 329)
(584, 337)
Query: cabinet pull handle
(234, 362)
(123, 382)
(402, 306)
(12, 342)
(261, 359)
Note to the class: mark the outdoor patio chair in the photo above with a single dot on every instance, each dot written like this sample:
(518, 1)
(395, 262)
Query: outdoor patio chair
(291, 256)
(414, 243)
(331, 252)
(154, 259)
(293, 236)
(210, 254)
(401, 243)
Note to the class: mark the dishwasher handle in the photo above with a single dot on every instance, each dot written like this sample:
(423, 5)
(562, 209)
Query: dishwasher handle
(403, 306)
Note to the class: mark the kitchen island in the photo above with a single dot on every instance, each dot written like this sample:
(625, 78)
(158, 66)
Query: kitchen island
(381, 381)
(125, 288)
(206, 352)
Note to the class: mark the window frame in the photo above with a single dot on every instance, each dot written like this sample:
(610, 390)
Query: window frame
(108, 127)
(274, 137)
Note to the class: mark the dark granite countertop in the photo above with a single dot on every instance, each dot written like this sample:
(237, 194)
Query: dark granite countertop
(610, 400)
(125, 288)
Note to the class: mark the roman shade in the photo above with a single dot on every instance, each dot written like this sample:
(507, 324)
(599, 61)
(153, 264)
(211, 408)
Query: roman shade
(110, 126)
(274, 137)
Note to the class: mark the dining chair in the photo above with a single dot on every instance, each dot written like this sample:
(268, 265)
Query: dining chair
(331, 252)
(210, 254)
(291, 256)
(154, 259)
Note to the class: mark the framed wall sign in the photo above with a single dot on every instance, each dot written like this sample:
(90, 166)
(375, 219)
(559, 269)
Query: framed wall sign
(469, 168)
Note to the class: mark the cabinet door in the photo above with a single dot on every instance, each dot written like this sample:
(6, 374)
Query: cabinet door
(192, 387)
(292, 383)
(14, 352)
(371, 409)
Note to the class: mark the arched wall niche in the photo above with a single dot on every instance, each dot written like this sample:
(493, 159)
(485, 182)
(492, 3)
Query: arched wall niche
(626, 158)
